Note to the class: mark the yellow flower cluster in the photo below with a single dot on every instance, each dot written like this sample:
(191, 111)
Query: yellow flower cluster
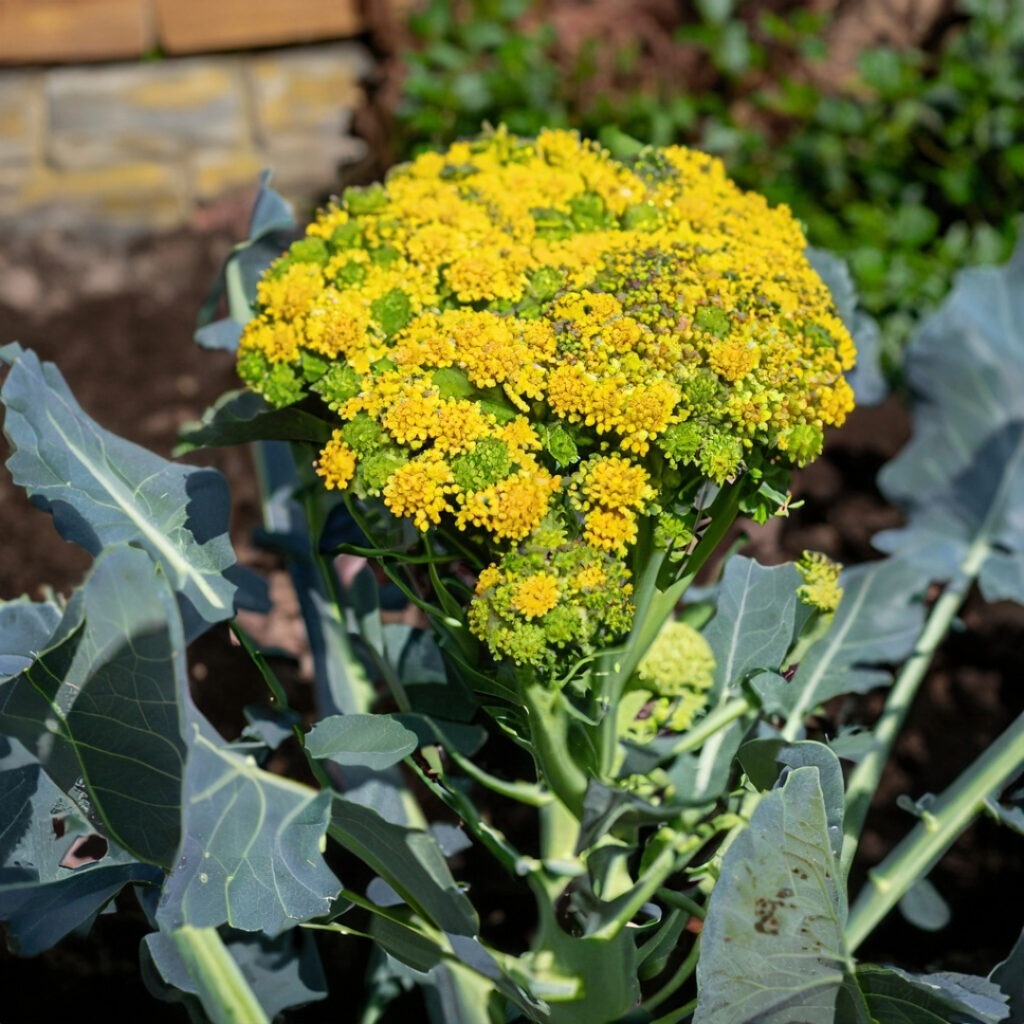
(551, 595)
(820, 588)
(671, 685)
(517, 327)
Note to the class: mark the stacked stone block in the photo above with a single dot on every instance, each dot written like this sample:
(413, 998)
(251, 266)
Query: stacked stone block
(141, 145)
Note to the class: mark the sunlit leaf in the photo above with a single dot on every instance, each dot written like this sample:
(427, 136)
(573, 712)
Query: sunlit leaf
(772, 947)
(103, 490)
(374, 741)
(753, 625)
(251, 853)
(25, 626)
(877, 622)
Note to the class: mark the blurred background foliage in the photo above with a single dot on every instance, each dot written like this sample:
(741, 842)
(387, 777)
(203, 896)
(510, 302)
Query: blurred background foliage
(910, 167)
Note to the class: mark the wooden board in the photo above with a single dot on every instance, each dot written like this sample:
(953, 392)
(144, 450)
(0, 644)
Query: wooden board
(72, 30)
(192, 26)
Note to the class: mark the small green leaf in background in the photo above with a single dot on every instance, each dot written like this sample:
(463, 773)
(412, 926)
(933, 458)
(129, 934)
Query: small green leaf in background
(924, 907)
(374, 741)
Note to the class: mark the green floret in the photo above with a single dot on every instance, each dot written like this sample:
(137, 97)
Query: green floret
(546, 282)
(672, 532)
(392, 311)
(309, 250)
(679, 660)
(253, 367)
(702, 393)
(363, 434)
(277, 382)
(373, 471)
(282, 385)
(365, 200)
(713, 320)
(720, 457)
(681, 442)
(313, 366)
(348, 236)
(589, 213)
(803, 442)
(641, 217)
(486, 464)
(564, 625)
(524, 643)
(338, 385)
(351, 274)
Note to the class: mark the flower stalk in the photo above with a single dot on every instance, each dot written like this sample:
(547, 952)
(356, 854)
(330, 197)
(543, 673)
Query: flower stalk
(919, 851)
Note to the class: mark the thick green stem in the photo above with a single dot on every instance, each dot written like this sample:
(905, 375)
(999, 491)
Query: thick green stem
(549, 727)
(715, 721)
(865, 777)
(654, 606)
(220, 984)
(915, 856)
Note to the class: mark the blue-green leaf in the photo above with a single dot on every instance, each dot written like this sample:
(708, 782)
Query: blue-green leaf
(374, 741)
(1009, 976)
(410, 861)
(41, 901)
(753, 626)
(983, 507)
(103, 490)
(966, 365)
(251, 852)
(102, 703)
(866, 379)
(878, 621)
(896, 997)
(25, 626)
(772, 948)
(764, 760)
(242, 416)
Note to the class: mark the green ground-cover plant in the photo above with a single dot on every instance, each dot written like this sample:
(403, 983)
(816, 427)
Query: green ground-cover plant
(910, 171)
(694, 833)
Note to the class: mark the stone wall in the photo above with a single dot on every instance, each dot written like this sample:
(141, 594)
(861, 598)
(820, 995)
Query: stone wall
(139, 146)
